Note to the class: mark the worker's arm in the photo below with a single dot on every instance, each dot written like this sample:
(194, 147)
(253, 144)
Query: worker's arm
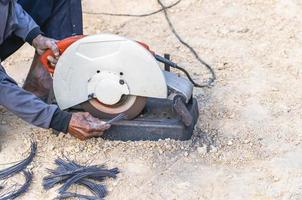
(29, 31)
(22, 103)
(27, 106)
(33, 110)
(26, 28)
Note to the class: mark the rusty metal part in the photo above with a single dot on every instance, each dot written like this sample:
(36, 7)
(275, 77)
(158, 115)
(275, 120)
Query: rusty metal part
(132, 106)
(38, 80)
(181, 109)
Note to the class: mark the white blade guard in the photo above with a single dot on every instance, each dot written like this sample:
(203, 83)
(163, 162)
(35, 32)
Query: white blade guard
(125, 60)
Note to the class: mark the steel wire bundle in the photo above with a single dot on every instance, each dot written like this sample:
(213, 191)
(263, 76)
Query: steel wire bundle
(14, 191)
(17, 192)
(69, 173)
(10, 171)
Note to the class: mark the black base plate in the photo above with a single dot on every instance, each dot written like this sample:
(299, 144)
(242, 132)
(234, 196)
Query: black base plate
(157, 121)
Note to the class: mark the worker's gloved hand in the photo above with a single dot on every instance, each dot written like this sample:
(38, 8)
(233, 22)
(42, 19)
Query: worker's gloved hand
(84, 126)
(42, 43)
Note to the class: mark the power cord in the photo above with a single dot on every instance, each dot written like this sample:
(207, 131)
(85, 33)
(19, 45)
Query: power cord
(164, 9)
(176, 66)
(192, 50)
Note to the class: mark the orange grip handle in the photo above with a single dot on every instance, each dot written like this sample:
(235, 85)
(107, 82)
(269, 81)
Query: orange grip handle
(62, 45)
(146, 47)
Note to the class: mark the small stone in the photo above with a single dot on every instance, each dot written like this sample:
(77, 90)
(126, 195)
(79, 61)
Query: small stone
(51, 147)
(30, 167)
(160, 151)
(168, 147)
(214, 149)
(276, 179)
(245, 30)
(186, 154)
(89, 146)
(61, 136)
(202, 150)
(246, 141)
(230, 176)
(230, 143)
(108, 145)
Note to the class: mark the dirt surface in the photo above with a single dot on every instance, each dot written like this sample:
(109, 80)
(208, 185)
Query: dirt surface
(247, 144)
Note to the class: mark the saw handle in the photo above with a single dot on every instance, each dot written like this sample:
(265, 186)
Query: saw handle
(62, 46)
(146, 47)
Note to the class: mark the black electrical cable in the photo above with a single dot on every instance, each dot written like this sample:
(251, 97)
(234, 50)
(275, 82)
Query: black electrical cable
(192, 50)
(133, 15)
(174, 65)
(171, 26)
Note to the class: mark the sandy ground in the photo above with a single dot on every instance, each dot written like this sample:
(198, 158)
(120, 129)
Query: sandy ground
(250, 121)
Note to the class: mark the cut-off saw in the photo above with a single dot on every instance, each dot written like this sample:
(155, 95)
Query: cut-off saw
(107, 75)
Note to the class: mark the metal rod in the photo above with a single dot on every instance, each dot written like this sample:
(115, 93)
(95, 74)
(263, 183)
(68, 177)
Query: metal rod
(117, 118)
(167, 67)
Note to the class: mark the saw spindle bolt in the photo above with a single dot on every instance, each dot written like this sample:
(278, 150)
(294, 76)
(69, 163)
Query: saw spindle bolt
(122, 82)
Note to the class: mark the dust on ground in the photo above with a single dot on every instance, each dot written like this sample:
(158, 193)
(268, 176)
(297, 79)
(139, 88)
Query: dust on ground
(247, 144)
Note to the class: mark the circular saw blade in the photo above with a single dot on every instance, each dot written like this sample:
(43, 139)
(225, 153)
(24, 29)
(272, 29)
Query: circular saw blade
(132, 106)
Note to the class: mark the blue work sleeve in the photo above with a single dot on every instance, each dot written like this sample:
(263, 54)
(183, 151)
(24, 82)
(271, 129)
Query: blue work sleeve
(26, 27)
(24, 104)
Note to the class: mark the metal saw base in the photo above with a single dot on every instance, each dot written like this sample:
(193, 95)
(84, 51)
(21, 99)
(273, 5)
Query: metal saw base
(157, 121)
